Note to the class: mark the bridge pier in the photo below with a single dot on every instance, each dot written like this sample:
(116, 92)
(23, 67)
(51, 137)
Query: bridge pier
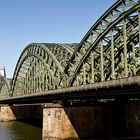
(6, 114)
(56, 124)
(11, 113)
(75, 122)
(120, 118)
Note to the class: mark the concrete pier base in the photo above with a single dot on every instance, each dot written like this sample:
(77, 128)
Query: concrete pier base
(75, 122)
(56, 124)
(6, 114)
(120, 118)
(117, 119)
(11, 113)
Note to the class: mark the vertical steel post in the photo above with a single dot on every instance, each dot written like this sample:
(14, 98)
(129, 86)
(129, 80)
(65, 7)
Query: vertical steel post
(139, 26)
(35, 75)
(101, 56)
(133, 53)
(92, 67)
(36, 79)
(125, 44)
(84, 73)
(112, 49)
(91, 38)
(32, 76)
(54, 79)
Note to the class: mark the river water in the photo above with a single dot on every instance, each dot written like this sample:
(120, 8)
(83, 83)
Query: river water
(17, 130)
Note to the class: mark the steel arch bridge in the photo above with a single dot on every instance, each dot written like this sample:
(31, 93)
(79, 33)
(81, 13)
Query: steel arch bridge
(110, 50)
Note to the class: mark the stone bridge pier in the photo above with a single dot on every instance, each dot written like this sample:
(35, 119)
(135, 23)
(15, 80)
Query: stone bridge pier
(76, 122)
(119, 118)
(12, 113)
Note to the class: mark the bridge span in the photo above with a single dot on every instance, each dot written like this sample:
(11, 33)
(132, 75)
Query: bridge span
(122, 88)
(100, 74)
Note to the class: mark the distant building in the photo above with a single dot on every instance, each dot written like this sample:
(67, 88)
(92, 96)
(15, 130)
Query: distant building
(2, 74)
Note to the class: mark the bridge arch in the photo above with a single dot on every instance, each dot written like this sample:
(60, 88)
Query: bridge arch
(5, 88)
(109, 50)
(39, 69)
(106, 50)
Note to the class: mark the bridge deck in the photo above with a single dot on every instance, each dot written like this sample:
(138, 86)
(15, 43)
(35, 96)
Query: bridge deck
(126, 87)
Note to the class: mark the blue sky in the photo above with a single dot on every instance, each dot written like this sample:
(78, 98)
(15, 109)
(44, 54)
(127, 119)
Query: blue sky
(54, 21)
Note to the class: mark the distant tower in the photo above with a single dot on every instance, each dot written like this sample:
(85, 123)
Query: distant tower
(2, 73)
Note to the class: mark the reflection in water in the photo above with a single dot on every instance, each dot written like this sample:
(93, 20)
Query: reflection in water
(19, 131)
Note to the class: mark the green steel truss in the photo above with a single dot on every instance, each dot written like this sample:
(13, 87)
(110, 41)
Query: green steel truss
(109, 50)
(41, 68)
(5, 88)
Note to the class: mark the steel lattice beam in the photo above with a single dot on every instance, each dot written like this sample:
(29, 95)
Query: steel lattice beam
(5, 88)
(41, 68)
(104, 32)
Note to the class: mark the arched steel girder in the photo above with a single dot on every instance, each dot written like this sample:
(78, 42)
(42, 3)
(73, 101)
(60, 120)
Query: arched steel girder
(62, 51)
(109, 16)
(90, 48)
(117, 50)
(67, 47)
(20, 81)
(37, 50)
(88, 74)
(5, 88)
(50, 54)
(25, 52)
